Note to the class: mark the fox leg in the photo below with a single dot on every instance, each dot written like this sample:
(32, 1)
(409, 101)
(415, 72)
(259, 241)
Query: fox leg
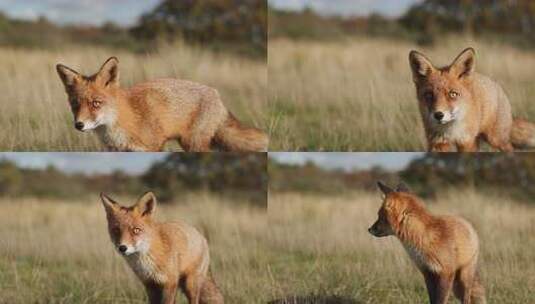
(161, 294)
(441, 146)
(478, 291)
(210, 293)
(154, 294)
(469, 146)
(438, 287)
(463, 284)
(193, 289)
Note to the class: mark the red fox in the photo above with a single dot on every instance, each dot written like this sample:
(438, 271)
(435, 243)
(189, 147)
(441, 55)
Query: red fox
(162, 255)
(144, 117)
(444, 248)
(459, 107)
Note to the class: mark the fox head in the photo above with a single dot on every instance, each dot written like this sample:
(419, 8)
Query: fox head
(393, 210)
(442, 92)
(92, 98)
(131, 227)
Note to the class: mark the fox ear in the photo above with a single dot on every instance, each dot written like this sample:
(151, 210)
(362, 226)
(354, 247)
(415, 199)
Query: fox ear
(109, 72)
(464, 65)
(384, 188)
(109, 205)
(402, 188)
(68, 76)
(146, 204)
(421, 66)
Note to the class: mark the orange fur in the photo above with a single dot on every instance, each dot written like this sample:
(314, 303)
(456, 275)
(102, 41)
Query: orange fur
(164, 256)
(460, 107)
(444, 248)
(144, 117)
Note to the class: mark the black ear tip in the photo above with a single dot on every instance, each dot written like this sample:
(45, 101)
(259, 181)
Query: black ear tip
(382, 186)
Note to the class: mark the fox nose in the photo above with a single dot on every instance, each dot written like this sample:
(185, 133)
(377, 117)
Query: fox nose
(370, 230)
(122, 248)
(438, 116)
(79, 125)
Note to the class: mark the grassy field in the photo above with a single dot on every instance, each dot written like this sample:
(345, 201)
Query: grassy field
(358, 95)
(60, 252)
(326, 251)
(35, 114)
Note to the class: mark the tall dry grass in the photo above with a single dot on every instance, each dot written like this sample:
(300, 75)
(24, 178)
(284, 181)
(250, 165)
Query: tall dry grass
(60, 252)
(358, 95)
(325, 249)
(35, 115)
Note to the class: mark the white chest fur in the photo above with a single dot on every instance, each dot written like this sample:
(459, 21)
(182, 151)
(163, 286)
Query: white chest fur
(455, 131)
(117, 139)
(145, 268)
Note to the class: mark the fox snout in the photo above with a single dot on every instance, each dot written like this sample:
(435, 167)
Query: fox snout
(373, 230)
(125, 249)
(79, 125)
(444, 117)
(86, 125)
(438, 115)
(378, 231)
(83, 126)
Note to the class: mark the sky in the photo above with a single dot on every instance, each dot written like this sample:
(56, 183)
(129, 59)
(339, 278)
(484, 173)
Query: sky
(94, 12)
(348, 161)
(391, 8)
(87, 163)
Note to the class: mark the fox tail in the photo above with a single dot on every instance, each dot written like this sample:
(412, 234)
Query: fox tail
(233, 136)
(478, 291)
(523, 134)
(210, 293)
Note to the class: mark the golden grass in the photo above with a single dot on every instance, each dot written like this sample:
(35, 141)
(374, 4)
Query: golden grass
(60, 252)
(325, 248)
(358, 95)
(35, 114)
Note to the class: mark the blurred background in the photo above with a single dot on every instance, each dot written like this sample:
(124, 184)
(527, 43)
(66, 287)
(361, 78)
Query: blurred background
(339, 72)
(427, 174)
(423, 21)
(227, 25)
(321, 205)
(79, 176)
(204, 41)
(54, 240)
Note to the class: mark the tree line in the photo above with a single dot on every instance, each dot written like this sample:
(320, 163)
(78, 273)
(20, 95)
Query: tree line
(236, 25)
(510, 174)
(424, 22)
(239, 176)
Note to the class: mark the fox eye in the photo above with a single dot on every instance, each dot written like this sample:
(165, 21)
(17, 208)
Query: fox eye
(136, 230)
(96, 103)
(453, 94)
(429, 97)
